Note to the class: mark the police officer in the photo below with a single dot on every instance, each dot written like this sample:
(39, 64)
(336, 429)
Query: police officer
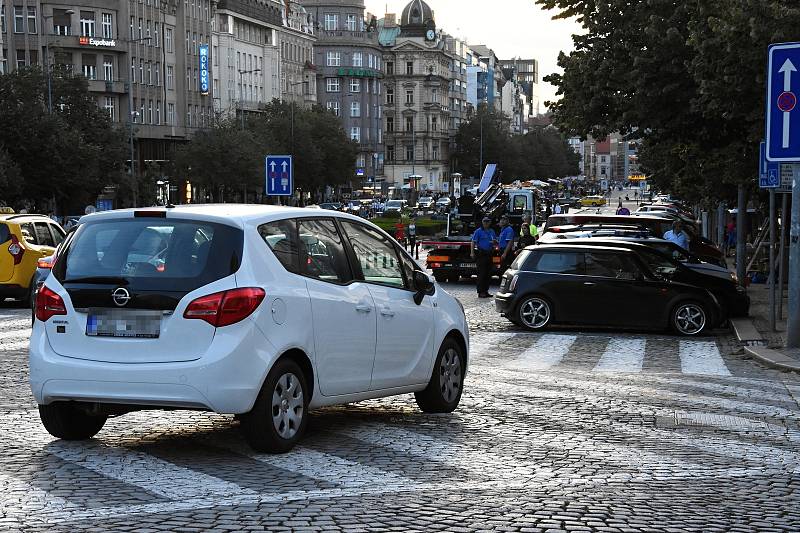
(483, 241)
(506, 242)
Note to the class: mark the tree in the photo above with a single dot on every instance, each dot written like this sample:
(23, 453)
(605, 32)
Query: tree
(686, 77)
(68, 155)
(484, 127)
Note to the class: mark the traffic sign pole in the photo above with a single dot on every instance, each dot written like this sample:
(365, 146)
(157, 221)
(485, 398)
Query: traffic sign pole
(793, 326)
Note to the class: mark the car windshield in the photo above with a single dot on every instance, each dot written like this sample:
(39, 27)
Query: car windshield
(163, 254)
(394, 203)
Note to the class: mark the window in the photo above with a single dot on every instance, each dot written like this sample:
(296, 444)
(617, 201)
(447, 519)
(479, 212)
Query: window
(31, 19)
(150, 112)
(89, 63)
(355, 86)
(332, 85)
(409, 68)
(108, 25)
(170, 77)
(158, 74)
(334, 59)
(390, 152)
(149, 73)
(355, 134)
(158, 111)
(19, 20)
(322, 254)
(20, 58)
(131, 35)
(147, 32)
(389, 124)
(559, 263)
(171, 114)
(611, 266)
(390, 68)
(141, 71)
(520, 203)
(435, 151)
(43, 236)
(355, 109)
(389, 95)
(87, 23)
(334, 107)
(376, 255)
(434, 124)
(358, 59)
(169, 40)
(410, 96)
(133, 70)
(156, 35)
(351, 23)
(331, 21)
(281, 237)
(2, 18)
(409, 124)
(409, 152)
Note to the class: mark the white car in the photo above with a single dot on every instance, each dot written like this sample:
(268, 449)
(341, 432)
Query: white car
(425, 202)
(260, 311)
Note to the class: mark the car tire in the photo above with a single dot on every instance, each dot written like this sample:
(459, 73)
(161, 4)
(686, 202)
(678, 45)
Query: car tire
(689, 318)
(66, 421)
(280, 413)
(534, 313)
(447, 380)
(453, 278)
(440, 277)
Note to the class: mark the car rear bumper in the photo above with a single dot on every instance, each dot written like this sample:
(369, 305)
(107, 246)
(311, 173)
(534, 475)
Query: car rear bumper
(226, 383)
(739, 304)
(504, 303)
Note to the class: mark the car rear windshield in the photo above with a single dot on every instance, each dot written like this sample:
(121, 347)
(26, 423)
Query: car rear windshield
(153, 254)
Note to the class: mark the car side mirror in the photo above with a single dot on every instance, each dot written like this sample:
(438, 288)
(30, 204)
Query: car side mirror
(423, 285)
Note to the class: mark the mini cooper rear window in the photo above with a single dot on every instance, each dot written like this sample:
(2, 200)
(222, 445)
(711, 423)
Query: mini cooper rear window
(164, 254)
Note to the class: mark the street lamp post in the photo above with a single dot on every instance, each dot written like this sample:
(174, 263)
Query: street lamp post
(69, 12)
(131, 115)
(293, 84)
(241, 90)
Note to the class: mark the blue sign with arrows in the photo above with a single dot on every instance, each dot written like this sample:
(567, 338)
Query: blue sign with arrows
(279, 175)
(783, 114)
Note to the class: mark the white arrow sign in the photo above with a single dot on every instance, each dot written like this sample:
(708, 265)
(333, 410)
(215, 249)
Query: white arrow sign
(284, 165)
(787, 69)
(273, 166)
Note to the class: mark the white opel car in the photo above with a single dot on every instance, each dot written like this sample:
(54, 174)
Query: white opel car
(260, 311)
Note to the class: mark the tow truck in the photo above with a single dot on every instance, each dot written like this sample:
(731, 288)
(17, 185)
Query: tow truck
(450, 257)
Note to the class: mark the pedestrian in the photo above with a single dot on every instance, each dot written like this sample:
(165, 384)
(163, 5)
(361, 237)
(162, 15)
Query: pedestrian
(506, 243)
(532, 229)
(400, 232)
(677, 235)
(547, 210)
(730, 237)
(412, 236)
(557, 209)
(622, 210)
(483, 241)
(525, 238)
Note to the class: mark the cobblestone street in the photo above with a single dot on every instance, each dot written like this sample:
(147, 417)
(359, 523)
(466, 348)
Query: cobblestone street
(561, 431)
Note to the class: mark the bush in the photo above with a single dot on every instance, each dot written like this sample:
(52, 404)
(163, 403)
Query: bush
(393, 215)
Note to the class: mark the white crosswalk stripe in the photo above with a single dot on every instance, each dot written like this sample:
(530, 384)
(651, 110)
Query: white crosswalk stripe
(622, 355)
(702, 357)
(481, 344)
(15, 334)
(547, 351)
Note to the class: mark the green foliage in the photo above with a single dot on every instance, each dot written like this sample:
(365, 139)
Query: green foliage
(69, 154)
(542, 153)
(686, 77)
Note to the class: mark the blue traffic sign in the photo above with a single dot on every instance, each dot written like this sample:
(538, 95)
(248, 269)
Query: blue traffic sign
(772, 178)
(762, 160)
(783, 115)
(279, 175)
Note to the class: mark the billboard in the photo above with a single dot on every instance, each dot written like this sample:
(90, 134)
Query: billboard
(204, 69)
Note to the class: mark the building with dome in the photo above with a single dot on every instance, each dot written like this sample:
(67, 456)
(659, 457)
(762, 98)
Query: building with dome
(420, 69)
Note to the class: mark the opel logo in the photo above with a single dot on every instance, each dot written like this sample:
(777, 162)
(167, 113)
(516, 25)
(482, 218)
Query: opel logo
(121, 297)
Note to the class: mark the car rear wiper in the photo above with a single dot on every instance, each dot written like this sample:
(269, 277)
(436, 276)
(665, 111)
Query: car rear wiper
(111, 280)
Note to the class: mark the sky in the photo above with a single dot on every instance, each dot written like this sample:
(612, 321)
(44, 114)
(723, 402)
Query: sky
(519, 28)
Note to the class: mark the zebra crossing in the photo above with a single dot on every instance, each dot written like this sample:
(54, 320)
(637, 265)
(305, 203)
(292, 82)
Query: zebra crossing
(15, 331)
(601, 354)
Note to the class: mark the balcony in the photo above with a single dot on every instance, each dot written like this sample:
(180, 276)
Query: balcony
(346, 36)
(106, 87)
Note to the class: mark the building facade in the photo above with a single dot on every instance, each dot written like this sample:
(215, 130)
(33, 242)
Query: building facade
(349, 78)
(418, 132)
(526, 73)
(296, 41)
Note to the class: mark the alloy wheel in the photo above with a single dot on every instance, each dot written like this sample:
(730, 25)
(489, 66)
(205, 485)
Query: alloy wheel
(450, 375)
(534, 313)
(287, 405)
(690, 319)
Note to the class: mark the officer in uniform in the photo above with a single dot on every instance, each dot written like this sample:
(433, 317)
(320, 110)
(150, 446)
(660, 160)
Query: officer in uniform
(507, 237)
(483, 241)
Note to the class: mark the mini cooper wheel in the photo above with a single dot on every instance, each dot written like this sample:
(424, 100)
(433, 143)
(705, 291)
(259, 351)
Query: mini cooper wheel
(689, 318)
(279, 416)
(447, 380)
(534, 313)
(69, 422)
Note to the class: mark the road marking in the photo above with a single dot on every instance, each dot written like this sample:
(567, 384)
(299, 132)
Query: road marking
(15, 333)
(481, 343)
(702, 357)
(622, 355)
(548, 351)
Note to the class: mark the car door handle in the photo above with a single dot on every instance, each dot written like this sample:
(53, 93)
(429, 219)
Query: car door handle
(387, 312)
(589, 284)
(363, 308)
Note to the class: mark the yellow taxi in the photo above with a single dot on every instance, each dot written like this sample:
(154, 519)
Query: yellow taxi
(24, 240)
(593, 201)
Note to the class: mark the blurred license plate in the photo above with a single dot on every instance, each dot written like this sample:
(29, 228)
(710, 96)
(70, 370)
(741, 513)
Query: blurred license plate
(468, 265)
(132, 323)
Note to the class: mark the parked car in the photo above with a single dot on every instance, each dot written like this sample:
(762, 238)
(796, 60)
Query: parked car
(24, 239)
(394, 206)
(593, 201)
(443, 202)
(425, 202)
(260, 311)
(667, 259)
(576, 284)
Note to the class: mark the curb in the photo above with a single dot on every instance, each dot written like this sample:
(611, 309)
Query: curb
(754, 344)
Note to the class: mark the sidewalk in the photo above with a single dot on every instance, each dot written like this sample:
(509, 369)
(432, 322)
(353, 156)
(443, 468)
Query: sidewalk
(758, 339)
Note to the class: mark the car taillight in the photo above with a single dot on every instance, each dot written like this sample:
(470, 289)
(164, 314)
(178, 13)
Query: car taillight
(225, 308)
(48, 304)
(45, 262)
(16, 250)
(513, 284)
